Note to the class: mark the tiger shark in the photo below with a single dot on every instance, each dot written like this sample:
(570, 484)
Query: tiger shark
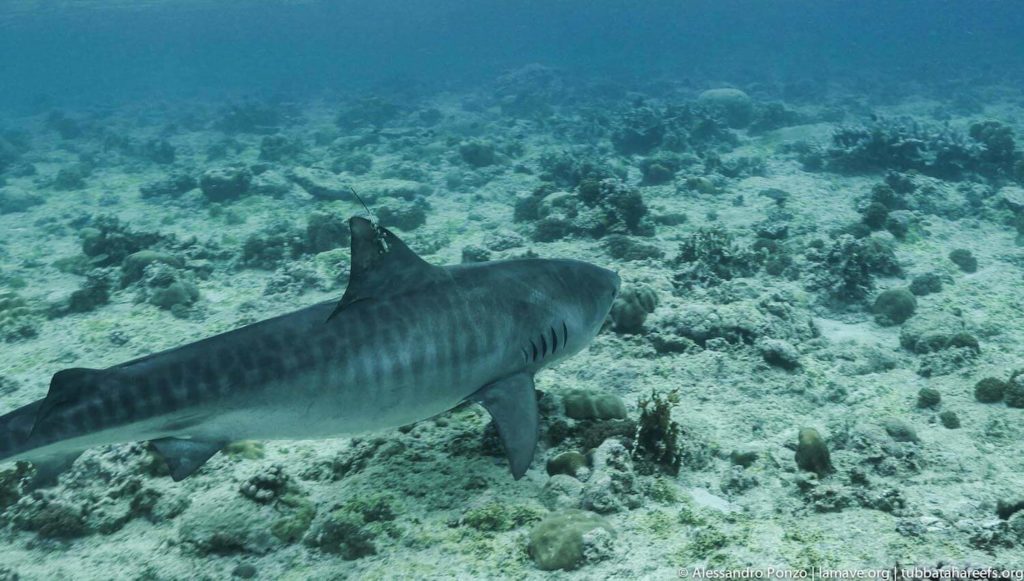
(407, 341)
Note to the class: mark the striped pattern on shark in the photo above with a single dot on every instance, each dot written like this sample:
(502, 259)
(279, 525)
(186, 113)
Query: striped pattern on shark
(407, 341)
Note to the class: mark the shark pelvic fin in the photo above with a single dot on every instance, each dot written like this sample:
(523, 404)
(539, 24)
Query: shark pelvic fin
(184, 456)
(383, 265)
(66, 387)
(512, 404)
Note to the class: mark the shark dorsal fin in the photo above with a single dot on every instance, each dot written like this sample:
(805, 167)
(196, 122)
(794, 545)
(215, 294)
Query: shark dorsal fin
(383, 265)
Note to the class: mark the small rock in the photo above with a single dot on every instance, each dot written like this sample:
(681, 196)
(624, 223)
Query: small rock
(135, 264)
(568, 463)
(225, 183)
(900, 431)
(926, 284)
(613, 485)
(899, 223)
(503, 240)
(950, 420)
(478, 154)
(734, 105)
(266, 486)
(631, 307)
(812, 453)
(562, 492)
(244, 571)
(989, 390)
(931, 332)
(775, 194)
(168, 288)
(779, 353)
(584, 405)
(964, 259)
(472, 253)
(894, 307)
(343, 533)
(928, 397)
(744, 457)
(1015, 391)
(1012, 197)
(1007, 508)
(557, 541)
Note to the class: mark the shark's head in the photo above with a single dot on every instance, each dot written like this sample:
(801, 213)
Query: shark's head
(582, 293)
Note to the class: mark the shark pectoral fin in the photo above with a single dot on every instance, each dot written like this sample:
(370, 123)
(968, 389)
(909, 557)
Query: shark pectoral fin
(383, 265)
(183, 456)
(49, 468)
(512, 404)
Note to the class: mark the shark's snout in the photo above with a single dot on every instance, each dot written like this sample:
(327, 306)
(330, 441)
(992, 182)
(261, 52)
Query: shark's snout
(606, 284)
(610, 283)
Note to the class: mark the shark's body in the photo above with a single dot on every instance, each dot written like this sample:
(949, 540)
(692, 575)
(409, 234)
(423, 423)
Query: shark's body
(407, 341)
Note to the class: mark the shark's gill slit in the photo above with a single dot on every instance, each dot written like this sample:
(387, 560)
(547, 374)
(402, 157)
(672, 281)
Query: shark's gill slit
(565, 334)
(534, 345)
(554, 340)
(543, 346)
(526, 356)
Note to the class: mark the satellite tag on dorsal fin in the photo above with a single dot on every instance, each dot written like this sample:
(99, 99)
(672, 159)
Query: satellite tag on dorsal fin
(383, 265)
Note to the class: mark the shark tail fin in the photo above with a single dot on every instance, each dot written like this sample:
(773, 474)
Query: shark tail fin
(15, 428)
(15, 442)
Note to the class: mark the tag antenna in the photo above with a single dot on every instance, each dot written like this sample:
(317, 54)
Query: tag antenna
(381, 240)
(365, 207)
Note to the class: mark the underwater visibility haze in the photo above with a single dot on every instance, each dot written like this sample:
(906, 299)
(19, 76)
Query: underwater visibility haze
(312, 289)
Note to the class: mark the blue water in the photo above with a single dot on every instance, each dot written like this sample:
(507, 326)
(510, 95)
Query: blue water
(67, 52)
